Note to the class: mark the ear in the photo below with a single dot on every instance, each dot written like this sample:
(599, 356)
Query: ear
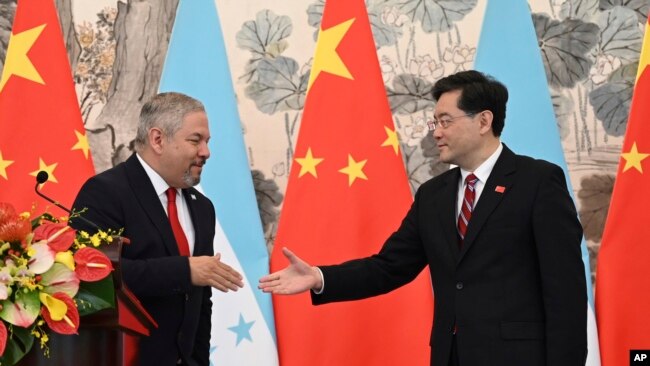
(485, 121)
(156, 139)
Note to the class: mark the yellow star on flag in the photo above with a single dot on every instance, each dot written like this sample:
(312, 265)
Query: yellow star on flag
(391, 139)
(82, 143)
(354, 170)
(308, 164)
(17, 62)
(3, 166)
(633, 159)
(48, 168)
(326, 58)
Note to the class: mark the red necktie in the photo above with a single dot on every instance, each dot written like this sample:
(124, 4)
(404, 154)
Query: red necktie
(179, 234)
(467, 206)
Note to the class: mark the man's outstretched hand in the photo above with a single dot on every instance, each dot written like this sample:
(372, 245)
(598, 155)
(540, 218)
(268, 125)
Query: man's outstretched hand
(297, 277)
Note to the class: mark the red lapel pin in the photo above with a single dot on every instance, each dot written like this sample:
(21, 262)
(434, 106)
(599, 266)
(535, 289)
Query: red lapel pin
(500, 189)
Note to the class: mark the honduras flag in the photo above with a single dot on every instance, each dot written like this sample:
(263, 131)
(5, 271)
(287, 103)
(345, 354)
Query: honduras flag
(243, 331)
(508, 51)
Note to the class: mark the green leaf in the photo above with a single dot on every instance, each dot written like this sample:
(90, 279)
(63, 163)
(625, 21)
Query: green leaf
(19, 343)
(95, 296)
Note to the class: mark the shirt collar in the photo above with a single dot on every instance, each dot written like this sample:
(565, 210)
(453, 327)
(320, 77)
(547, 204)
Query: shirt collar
(159, 184)
(483, 171)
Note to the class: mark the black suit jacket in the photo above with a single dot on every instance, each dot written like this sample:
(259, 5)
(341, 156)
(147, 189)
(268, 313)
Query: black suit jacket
(515, 292)
(124, 197)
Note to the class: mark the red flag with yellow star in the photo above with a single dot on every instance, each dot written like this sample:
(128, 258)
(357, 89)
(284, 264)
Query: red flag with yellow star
(623, 277)
(40, 122)
(348, 191)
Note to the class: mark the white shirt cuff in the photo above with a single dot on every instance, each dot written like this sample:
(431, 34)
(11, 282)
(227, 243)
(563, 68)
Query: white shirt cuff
(322, 281)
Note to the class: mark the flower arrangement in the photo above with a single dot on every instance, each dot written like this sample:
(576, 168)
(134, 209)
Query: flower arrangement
(50, 275)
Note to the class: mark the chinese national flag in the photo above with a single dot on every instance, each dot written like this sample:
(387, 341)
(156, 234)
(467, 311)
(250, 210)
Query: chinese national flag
(623, 280)
(40, 122)
(347, 192)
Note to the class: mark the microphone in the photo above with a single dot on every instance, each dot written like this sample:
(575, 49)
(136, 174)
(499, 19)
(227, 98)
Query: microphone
(41, 178)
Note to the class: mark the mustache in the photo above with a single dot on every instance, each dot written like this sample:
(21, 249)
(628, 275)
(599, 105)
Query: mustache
(199, 162)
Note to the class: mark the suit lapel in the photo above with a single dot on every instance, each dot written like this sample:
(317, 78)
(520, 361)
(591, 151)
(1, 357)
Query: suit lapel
(447, 211)
(502, 177)
(150, 203)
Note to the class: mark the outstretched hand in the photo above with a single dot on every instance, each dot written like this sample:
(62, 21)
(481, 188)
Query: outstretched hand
(298, 277)
(211, 271)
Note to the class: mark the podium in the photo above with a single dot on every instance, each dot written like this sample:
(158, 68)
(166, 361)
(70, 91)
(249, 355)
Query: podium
(106, 338)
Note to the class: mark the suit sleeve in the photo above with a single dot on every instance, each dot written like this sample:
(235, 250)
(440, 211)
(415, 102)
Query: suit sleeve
(399, 261)
(201, 351)
(100, 203)
(558, 235)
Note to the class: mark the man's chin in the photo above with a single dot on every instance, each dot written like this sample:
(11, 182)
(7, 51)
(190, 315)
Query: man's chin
(191, 181)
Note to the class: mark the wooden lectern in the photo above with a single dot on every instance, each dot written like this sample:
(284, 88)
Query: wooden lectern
(106, 338)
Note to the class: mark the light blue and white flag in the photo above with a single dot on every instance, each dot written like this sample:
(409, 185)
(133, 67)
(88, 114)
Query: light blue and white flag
(243, 330)
(508, 50)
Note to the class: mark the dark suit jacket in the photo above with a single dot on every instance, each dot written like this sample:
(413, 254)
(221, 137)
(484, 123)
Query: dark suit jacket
(516, 292)
(124, 197)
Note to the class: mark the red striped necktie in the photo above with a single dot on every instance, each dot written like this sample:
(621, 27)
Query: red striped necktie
(467, 206)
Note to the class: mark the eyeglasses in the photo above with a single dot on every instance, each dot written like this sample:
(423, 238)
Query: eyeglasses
(445, 121)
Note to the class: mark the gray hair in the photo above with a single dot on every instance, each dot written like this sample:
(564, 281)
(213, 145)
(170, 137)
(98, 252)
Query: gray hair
(165, 111)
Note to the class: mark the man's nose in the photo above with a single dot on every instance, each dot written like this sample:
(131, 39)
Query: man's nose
(204, 151)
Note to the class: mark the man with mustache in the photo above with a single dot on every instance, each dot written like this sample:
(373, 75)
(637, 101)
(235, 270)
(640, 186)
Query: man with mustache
(170, 263)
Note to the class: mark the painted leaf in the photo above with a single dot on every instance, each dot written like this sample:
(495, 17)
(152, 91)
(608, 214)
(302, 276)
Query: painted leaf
(23, 311)
(92, 265)
(265, 37)
(436, 15)
(383, 34)
(409, 94)
(268, 198)
(594, 195)
(584, 10)
(267, 29)
(565, 46)
(640, 7)
(69, 324)
(620, 34)
(612, 100)
(278, 87)
(58, 236)
(60, 279)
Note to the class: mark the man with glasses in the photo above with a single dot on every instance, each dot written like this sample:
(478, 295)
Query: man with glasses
(501, 237)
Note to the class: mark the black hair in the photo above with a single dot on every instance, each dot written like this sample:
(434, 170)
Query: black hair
(479, 92)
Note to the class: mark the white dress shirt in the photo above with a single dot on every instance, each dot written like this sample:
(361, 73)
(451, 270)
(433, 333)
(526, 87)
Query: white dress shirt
(482, 173)
(161, 187)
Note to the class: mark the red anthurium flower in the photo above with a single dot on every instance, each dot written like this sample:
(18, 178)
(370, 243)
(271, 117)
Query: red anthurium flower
(60, 313)
(15, 231)
(59, 236)
(92, 265)
(7, 213)
(3, 337)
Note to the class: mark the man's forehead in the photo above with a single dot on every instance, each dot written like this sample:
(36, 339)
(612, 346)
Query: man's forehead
(447, 102)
